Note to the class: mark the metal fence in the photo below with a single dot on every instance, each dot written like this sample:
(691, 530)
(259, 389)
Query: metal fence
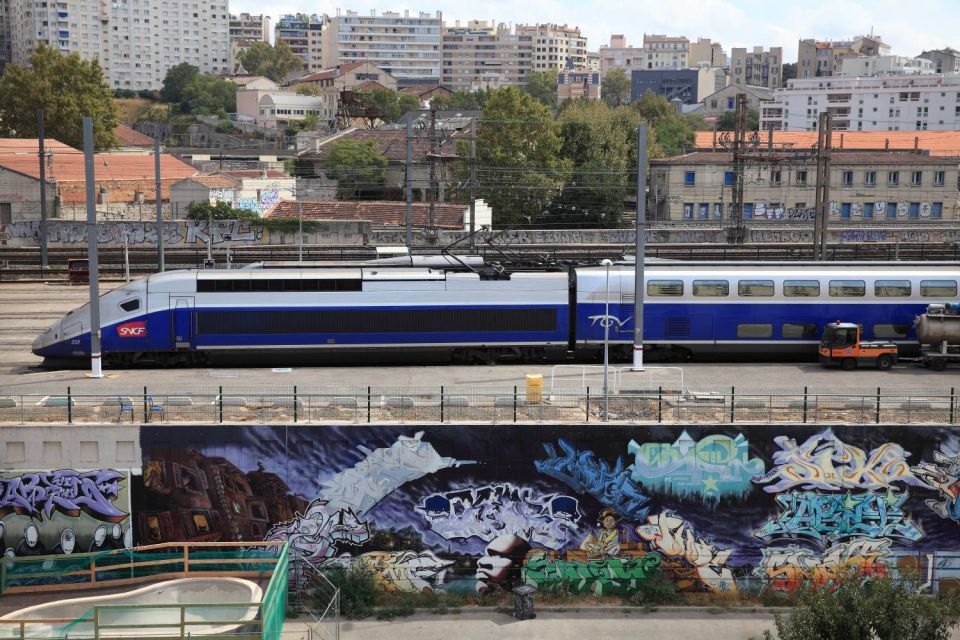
(516, 404)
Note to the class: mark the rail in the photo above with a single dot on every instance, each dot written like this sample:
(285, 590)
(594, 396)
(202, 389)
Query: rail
(640, 404)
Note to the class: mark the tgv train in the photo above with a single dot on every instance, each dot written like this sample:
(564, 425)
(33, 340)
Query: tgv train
(689, 308)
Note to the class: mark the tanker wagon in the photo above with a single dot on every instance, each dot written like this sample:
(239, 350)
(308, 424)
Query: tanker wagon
(938, 331)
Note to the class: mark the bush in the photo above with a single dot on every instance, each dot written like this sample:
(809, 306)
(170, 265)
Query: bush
(655, 590)
(358, 591)
(863, 610)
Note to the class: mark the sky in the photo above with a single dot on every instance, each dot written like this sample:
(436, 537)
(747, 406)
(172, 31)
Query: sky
(908, 27)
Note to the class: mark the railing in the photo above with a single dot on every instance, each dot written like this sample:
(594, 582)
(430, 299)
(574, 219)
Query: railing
(667, 402)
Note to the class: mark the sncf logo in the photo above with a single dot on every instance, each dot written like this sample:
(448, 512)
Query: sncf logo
(132, 330)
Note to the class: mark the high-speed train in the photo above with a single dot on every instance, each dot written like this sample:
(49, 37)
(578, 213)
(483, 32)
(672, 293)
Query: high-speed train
(689, 309)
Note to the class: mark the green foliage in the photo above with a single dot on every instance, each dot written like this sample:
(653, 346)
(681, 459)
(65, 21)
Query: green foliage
(520, 144)
(728, 121)
(615, 87)
(218, 211)
(358, 167)
(224, 126)
(176, 80)
(672, 133)
(310, 122)
(67, 88)
(542, 86)
(391, 104)
(207, 95)
(308, 89)
(655, 590)
(358, 592)
(881, 609)
(461, 100)
(124, 94)
(789, 72)
(274, 62)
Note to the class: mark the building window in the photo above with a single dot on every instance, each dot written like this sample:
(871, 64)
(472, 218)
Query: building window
(847, 178)
(916, 178)
(775, 177)
(914, 209)
(689, 178)
(728, 178)
(939, 178)
(868, 210)
(893, 178)
(703, 213)
(802, 177)
(688, 210)
(845, 210)
(870, 178)
(891, 210)
(936, 210)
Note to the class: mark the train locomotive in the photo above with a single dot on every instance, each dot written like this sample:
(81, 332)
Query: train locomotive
(690, 308)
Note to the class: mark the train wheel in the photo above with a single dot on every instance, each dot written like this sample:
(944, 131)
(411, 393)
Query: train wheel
(849, 364)
(884, 363)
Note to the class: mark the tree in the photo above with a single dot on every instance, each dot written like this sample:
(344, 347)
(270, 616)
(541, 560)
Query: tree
(728, 120)
(789, 72)
(308, 89)
(391, 104)
(220, 211)
(274, 62)
(518, 153)
(67, 88)
(461, 100)
(208, 95)
(615, 87)
(358, 167)
(542, 86)
(671, 133)
(176, 80)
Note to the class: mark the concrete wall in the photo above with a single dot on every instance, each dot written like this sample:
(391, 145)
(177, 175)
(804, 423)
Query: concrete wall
(598, 508)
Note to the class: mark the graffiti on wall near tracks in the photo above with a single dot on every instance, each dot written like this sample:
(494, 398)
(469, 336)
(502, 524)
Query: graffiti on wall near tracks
(600, 510)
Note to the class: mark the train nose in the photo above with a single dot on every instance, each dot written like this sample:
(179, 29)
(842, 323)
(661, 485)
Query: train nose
(42, 343)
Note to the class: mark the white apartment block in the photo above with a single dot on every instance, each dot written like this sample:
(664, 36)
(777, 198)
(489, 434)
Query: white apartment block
(136, 41)
(885, 65)
(620, 56)
(404, 45)
(304, 35)
(666, 52)
(6, 52)
(247, 27)
(881, 103)
(483, 56)
(758, 68)
(554, 44)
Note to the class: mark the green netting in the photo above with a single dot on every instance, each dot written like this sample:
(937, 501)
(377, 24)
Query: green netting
(273, 612)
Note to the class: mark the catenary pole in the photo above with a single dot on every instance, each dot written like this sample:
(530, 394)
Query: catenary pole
(156, 167)
(641, 245)
(409, 187)
(42, 157)
(91, 183)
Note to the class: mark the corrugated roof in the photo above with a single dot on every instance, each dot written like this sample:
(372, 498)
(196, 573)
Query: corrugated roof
(837, 158)
(66, 163)
(334, 72)
(938, 143)
(131, 137)
(213, 181)
(253, 173)
(379, 212)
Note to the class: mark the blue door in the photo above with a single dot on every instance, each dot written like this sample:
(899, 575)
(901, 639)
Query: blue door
(181, 308)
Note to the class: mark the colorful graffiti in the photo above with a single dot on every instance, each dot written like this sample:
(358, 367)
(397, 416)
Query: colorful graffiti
(64, 511)
(712, 468)
(475, 509)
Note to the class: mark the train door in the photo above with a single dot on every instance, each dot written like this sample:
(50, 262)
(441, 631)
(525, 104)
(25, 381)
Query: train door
(182, 321)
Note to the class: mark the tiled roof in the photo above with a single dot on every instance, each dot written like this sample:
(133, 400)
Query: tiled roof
(334, 72)
(253, 173)
(131, 137)
(393, 143)
(938, 143)
(385, 213)
(66, 163)
(837, 158)
(213, 181)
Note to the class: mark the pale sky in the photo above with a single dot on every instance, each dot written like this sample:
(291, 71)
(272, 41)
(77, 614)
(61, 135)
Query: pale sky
(909, 27)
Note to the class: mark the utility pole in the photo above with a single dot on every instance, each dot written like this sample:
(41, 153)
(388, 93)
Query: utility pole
(822, 206)
(41, 152)
(641, 245)
(95, 365)
(737, 234)
(409, 187)
(156, 167)
(473, 182)
(434, 151)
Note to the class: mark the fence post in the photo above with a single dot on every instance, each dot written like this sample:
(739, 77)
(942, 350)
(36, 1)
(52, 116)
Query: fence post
(877, 420)
(514, 403)
(368, 405)
(660, 404)
(441, 403)
(295, 403)
(733, 402)
(69, 406)
(805, 405)
(588, 404)
(221, 404)
(145, 414)
(953, 402)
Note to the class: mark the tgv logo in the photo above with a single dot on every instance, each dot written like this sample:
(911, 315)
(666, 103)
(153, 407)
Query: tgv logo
(133, 330)
(609, 321)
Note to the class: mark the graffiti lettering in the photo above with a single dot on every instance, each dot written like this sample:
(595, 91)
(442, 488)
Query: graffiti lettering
(600, 577)
(489, 512)
(792, 568)
(611, 486)
(715, 466)
(830, 518)
(398, 571)
(66, 491)
(944, 475)
(825, 462)
(669, 535)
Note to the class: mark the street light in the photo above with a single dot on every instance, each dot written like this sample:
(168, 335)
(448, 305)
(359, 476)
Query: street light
(606, 343)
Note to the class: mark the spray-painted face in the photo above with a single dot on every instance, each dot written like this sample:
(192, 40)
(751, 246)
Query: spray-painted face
(100, 535)
(68, 541)
(31, 534)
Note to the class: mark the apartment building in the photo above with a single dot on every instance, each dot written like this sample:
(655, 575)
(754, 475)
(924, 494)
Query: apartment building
(304, 35)
(136, 42)
(944, 60)
(689, 86)
(6, 52)
(554, 44)
(573, 84)
(481, 55)
(705, 51)
(250, 27)
(350, 77)
(865, 186)
(758, 68)
(407, 46)
(666, 52)
(885, 65)
(880, 103)
(817, 59)
(618, 55)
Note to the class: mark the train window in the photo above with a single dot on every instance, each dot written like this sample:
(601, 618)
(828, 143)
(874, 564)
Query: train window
(277, 285)
(259, 285)
(801, 288)
(755, 288)
(754, 330)
(890, 330)
(130, 305)
(665, 287)
(847, 288)
(798, 330)
(938, 288)
(891, 288)
(711, 288)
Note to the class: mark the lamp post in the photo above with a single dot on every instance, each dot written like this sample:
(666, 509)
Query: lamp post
(606, 343)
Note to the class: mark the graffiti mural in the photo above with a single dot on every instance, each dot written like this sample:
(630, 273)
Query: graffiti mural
(596, 510)
(64, 511)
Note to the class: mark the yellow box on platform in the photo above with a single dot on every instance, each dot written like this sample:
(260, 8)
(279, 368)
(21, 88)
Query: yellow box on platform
(534, 388)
